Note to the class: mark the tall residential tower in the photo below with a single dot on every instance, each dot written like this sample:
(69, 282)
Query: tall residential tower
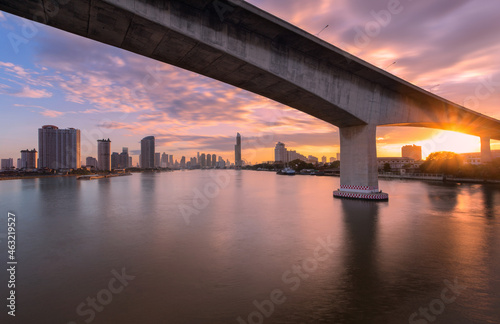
(59, 148)
(237, 151)
(148, 152)
(104, 155)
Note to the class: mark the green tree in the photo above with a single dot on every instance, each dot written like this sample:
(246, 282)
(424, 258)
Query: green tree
(442, 162)
(298, 165)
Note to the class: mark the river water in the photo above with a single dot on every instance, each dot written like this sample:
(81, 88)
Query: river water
(249, 247)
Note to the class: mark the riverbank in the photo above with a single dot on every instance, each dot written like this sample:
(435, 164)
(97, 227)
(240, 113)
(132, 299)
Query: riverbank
(437, 177)
(37, 176)
(78, 176)
(101, 176)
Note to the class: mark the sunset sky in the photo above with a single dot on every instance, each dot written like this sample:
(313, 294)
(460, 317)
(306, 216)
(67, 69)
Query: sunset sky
(449, 47)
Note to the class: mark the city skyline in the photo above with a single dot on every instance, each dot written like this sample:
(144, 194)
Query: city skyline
(165, 160)
(58, 78)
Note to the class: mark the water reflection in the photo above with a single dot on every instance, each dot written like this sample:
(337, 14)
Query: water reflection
(360, 220)
(489, 194)
(387, 259)
(441, 196)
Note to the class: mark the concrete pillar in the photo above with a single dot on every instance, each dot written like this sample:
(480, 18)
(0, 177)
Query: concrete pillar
(485, 150)
(358, 164)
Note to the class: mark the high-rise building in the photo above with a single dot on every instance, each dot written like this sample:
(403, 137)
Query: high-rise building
(412, 151)
(59, 148)
(28, 159)
(115, 160)
(148, 152)
(221, 164)
(157, 160)
(214, 160)
(124, 159)
(164, 160)
(202, 160)
(294, 155)
(280, 154)
(129, 162)
(104, 155)
(7, 164)
(323, 159)
(91, 162)
(19, 165)
(183, 162)
(171, 160)
(312, 159)
(209, 160)
(237, 151)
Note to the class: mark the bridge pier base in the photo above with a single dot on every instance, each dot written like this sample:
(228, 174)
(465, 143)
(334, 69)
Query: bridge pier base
(358, 164)
(485, 150)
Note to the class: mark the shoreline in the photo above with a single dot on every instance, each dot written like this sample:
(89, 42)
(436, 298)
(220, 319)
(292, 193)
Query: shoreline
(110, 175)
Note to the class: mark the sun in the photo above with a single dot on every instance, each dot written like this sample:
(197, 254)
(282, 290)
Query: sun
(450, 141)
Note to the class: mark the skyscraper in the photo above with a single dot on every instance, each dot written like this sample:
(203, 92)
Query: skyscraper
(148, 152)
(164, 160)
(59, 148)
(237, 151)
(115, 160)
(124, 159)
(412, 151)
(214, 160)
(104, 154)
(209, 160)
(202, 160)
(280, 154)
(157, 160)
(28, 159)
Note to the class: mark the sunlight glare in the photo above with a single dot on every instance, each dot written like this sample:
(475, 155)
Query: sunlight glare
(450, 141)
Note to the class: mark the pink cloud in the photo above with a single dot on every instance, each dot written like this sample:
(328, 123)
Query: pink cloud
(51, 113)
(25, 92)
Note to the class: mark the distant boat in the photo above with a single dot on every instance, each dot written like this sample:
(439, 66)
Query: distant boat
(286, 171)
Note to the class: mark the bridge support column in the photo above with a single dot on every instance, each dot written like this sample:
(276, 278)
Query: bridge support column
(358, 164)
(485, 150)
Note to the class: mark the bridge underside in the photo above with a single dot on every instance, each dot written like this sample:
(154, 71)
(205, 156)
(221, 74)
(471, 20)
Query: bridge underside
(236, 43)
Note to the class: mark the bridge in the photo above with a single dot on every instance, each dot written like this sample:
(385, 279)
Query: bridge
(239, 44)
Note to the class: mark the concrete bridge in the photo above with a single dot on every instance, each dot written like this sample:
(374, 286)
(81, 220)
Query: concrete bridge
(239, 44)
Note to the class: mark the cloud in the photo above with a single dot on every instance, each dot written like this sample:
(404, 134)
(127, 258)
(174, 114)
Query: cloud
(25, 92)
(24, 76)
(115, 125)
(51, 113)
(447, 46)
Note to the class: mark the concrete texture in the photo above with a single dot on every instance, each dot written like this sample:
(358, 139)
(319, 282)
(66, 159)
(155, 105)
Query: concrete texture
(358, 156)
(237, 43)
(485, 150)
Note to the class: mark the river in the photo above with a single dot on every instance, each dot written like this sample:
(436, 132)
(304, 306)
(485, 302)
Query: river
(235, 247)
